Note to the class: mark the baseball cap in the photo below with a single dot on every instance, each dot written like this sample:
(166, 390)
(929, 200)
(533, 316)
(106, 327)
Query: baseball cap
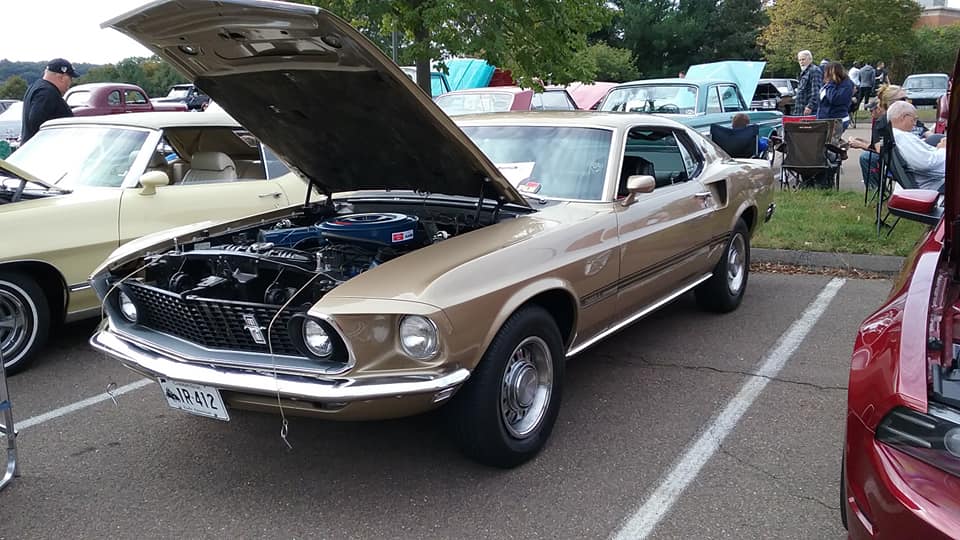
(59, 65)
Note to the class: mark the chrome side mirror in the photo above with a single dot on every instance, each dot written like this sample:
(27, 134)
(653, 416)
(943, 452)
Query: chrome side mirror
(638, 183)
(152, 180)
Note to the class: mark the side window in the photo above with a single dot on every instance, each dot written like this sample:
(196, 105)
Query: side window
(713, 101)
(275, 167)
(655, 152)
(692, 159)
(555, 101)
(113, 98)
(731, 99)
(134, 97)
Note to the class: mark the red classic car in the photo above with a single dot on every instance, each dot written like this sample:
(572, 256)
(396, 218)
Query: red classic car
(505, 98)
(901, 459)
(113, 98)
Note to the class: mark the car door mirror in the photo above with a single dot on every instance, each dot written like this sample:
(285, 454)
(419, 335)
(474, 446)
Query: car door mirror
(150, 181)
(638, 183)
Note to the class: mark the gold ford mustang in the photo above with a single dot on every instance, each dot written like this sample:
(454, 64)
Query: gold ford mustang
(441, 265)
(83, 186)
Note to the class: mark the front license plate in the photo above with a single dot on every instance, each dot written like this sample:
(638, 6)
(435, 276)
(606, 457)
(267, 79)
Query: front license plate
(194, 398)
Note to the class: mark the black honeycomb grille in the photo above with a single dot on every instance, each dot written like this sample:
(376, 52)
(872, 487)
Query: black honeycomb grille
(211, 324)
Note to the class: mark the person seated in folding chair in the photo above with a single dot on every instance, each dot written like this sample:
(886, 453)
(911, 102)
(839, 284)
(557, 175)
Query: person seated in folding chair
(927, 163)
(741, 140)
(870, 158)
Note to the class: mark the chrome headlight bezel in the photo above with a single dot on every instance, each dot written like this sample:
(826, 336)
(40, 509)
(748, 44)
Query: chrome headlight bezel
(419, 337)
(317, 339)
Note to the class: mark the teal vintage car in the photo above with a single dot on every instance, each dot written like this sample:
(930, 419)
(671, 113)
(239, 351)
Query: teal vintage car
(439, 84)
(709, 94)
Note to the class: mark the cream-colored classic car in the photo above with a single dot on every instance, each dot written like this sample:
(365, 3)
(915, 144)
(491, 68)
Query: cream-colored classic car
(443, 265)
(83, 186)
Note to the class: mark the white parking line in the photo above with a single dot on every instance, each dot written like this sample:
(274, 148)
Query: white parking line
(646, 518)
(73, 407)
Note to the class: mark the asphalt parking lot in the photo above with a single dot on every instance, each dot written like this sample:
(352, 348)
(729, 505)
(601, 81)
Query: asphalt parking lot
(665, 428)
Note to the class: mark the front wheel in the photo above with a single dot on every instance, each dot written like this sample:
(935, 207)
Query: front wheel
(506, 411)
(724, 290)
(24, 320)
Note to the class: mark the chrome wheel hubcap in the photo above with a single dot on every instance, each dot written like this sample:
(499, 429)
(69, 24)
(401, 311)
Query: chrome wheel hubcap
(736, 264)
(526, 387)
(13, 323)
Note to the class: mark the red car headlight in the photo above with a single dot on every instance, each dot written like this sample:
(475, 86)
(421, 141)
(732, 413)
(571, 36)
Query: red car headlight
(932, 437)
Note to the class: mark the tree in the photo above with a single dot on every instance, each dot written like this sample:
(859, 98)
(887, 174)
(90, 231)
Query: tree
(849, 30)
(13, 88)
(933, 50)
(537, 40)
(611, 64)
(668, 36)
(152, 74)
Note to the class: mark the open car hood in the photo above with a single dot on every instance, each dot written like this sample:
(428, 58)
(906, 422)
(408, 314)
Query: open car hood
(952, 183)
(17, 172)
(745, 74)
(318, 93)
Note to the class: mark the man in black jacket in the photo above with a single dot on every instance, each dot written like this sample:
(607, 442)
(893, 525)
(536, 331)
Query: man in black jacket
(44, 99)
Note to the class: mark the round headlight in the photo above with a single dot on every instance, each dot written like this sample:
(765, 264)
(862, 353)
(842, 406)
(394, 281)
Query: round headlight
(952, 442)
(419, 337)
(316, 338)
(127, 308)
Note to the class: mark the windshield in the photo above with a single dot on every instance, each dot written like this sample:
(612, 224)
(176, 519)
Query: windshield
(650, 98)
(547, 161)
(179, 92)
(80, 97)
(80, 156)
(475, 102)
(925, 83)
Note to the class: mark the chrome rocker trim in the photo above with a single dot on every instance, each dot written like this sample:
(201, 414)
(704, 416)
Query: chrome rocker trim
(332, 390)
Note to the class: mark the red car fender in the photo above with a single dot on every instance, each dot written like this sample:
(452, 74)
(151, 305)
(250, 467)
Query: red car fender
(889, 362)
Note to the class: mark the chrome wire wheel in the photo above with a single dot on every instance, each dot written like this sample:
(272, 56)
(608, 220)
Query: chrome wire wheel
(526, 387)
(736, 264)
(15, 329)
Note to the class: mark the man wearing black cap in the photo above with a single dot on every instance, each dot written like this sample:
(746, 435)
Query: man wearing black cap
(44, 99)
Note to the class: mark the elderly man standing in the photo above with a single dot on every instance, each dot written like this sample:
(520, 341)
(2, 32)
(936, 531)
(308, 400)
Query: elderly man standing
(927, 164)
(807, 100)
(44, 99)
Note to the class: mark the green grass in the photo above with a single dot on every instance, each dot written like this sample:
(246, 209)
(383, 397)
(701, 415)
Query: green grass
(833, 221)
(927, 116)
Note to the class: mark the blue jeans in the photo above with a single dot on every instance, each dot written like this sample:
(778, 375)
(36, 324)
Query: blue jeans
(870, 167)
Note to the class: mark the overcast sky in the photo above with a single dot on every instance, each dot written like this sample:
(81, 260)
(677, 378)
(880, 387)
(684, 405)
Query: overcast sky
(38, 30)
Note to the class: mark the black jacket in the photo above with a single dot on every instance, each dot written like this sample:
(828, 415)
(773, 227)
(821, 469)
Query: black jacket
(42, 102)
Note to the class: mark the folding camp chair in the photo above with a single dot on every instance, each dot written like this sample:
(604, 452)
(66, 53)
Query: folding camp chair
(894, 172)
(7, 430)
(737, 142)
(812, 154)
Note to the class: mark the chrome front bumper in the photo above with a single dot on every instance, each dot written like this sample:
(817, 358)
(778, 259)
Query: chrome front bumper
(333, 390)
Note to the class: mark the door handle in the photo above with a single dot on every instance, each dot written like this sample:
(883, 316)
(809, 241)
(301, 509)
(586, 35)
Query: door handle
(703, 195)
(275, 195)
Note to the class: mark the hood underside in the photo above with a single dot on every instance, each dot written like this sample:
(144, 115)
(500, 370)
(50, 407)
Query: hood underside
(319, 94)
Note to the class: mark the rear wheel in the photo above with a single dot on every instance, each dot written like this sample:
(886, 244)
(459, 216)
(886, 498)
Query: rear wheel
(506, 411)
(724, 290)
(24, 320)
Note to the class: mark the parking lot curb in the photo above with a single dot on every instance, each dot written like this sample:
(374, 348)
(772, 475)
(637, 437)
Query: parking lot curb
(878, 264)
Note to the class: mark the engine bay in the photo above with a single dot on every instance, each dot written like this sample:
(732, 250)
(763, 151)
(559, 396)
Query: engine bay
(296, 261)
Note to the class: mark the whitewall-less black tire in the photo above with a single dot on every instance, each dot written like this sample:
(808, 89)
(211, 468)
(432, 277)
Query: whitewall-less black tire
(724, 290)
(504, 414)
